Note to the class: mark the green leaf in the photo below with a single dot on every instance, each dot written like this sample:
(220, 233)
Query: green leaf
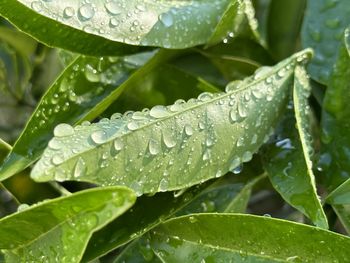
(60, 228)
(54, 33)
(83, 91)
(112, 28)
(335, 158)
(343, 213)
(194, 238)
(323, 28)
(4, 148)
(21, 42)
(147, 213)
(178, 139)
(341, 195)
(284, 24)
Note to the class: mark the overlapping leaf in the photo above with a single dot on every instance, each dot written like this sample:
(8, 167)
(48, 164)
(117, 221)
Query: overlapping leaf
(335, 157)
(82, 92)
(185, 138)
(323, 28)
(110, 28)
(248, 238)
(59, 229)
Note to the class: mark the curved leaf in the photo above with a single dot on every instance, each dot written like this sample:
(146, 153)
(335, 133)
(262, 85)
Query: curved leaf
(67, 226)
(147, 213)
(84, 90)
(335, 158)
(186, 138)
(170, 24)
(288, 160)
(247, 238)
(323, 28)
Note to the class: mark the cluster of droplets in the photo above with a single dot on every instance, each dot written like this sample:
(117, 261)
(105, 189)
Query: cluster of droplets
(185, 128)
(134, 22)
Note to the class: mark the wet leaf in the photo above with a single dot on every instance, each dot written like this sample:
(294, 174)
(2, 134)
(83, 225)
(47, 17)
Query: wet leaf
(323, 28)
(68, 225)
(179, 139)
(334, 161)
(112, 28)
(83, 91)
(248, 238)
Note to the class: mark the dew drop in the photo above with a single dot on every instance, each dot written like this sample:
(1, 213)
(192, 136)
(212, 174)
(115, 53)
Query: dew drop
(247, 156)
(153, 147)
(63, 130)
(113, 8)
(168, 140)
(166, 19)
(57, 159)
(234, 164)
(80, 168)
(68, 12)
(188, 130)
(86, 12)
(99, 137)
(55, 144)
(113, 22)
(132, 125)
(118, 144)
(163, 185)
(159, 112)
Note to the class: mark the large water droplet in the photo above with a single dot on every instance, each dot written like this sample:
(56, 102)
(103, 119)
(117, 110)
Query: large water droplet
(80, 168)
(166, 19)
(159, 112)
(247, 156)
(99, 137)
(168, 140)
(68, 12)
(153, 147)
(234, 163)
(86, 12)
(118, 144)
(63, 129)
(113, 8)
(188, 130)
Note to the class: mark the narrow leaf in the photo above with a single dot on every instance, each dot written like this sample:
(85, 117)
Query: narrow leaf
(67, 226)
(335, 158)
(323, 28)
(245, 238)
(182, 138)
(341, 195)
(343, 213)
(110, 28)
(84, 90)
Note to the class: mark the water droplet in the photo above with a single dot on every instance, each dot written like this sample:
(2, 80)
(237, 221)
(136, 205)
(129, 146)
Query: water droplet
(205, 96)
(63, 129)
(159, 112)
(68, 12)
(242, 110)
(55, 144)
(57, 159)
(37, 5)
(166, 19)
(168, 140)
(132, 125)
(163, 185)
(86, 12)
(113, 22)
(247, 156)
(153, 147)
(234, 163)
(80, 168)
(188, 130)
(99, 137)
(113, 8)
(118, 144)
(206, 155)
(91, 74)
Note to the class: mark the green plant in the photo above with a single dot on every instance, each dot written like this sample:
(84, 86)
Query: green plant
(222, 128)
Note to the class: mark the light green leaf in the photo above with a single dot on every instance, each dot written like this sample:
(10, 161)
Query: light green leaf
(24, 44)
(323, 28)
(341, 195)
(83, 91)
(147, 213)
(4, 148)
(186, 138)
(110, 28)
(335, 158)
(59, 229)
(194, 238)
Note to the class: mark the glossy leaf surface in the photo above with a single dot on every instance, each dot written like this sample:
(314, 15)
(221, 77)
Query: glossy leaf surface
(248, 238)
(335, 158)
(112, 27)
(180, 138)
(68, 225)
(323, 28)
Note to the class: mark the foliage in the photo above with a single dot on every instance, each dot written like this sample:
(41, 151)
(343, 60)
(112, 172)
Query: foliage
(171, 131)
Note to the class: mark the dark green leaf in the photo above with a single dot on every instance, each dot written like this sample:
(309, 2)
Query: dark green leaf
(147, 213)
(323, 28)
(343, 213)
(335, 157)
(238, 238)
(59, 229)
(178, 139)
